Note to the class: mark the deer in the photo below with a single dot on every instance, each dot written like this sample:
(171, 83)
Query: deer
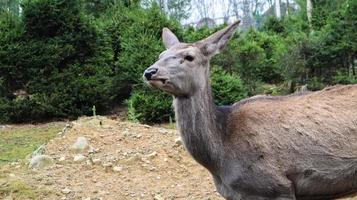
(298, 146)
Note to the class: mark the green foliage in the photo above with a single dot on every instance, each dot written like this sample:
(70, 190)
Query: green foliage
(136, 41)
(148, 105)
(254, 56)
(315, 83)
(67, 56)
(61, 44)
(227, 88)
(343, 78)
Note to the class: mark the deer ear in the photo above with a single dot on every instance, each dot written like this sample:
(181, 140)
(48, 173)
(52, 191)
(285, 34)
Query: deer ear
(215, 43)
(169, 38)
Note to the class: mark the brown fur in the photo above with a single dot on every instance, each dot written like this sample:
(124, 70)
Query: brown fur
(301, 132)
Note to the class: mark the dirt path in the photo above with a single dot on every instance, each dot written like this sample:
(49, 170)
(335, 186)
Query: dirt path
(129, 161)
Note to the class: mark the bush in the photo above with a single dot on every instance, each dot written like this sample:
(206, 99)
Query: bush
(136, 41)
(227, 88)
(344, 78)
(60, 58)
(149, 106)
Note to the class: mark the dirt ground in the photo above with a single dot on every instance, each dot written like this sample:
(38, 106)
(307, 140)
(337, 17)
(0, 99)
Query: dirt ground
(129, 161)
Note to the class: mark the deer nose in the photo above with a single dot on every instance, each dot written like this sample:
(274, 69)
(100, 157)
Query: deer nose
(149, 73)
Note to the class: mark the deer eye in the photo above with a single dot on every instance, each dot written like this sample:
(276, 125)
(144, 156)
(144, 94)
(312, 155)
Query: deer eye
(189, 58)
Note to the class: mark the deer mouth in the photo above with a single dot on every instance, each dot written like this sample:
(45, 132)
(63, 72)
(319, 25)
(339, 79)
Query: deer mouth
(162, 80)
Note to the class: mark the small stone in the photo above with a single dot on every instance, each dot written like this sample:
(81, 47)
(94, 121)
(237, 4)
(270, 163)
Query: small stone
(107, 167)
(178, 142)
(66, 191)
(117, 168)
(48, 183)
(40, 161)
(11, 175)
(158, 197)
(88, 198)
(163, 131)
(81, 144)
(79, 158)
(61, 159)
(89, 162)
(152, 155)
(96, 161)
(134, 159)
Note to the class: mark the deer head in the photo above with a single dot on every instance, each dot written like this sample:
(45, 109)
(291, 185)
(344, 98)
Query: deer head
(183, 69)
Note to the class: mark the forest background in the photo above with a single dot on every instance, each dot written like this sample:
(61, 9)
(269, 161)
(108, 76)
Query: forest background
(59, 59)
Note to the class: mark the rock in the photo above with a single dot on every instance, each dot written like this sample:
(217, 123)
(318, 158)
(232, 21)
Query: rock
(133, 160)
(39, 151)
(11, 175)
(40, 161)
(81, 145)
(79, 158)
(158, 197)
(152, 155)
(61, 159)
(178, 142)
(96, 161)
(163, 131)
(146, 126)
(117, 168)
(107, 167)
(66, 191)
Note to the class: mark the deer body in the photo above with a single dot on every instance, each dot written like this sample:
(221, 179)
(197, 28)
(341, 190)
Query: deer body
(292, 147)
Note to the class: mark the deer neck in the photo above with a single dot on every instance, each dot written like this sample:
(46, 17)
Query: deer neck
(201, 131)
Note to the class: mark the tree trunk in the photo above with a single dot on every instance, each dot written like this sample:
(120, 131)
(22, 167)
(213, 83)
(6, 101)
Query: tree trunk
(287, 8)
(309, 8)
(277, 9)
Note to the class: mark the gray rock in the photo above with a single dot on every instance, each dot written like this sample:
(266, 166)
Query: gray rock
(39, 151)
(158, 197)
(152, 155)
(96, 161)
(178, 141)
(40, 161)
(117, 168)
(81, 145)
(66, 191)
(79, 158)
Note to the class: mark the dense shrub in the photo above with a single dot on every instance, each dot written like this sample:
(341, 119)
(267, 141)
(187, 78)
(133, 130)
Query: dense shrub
(148, 105)
(226, 88)
(60, 59)
(66, 56)
(136, 41)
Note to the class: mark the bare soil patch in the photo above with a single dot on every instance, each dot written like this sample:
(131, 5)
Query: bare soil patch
(129, 161)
